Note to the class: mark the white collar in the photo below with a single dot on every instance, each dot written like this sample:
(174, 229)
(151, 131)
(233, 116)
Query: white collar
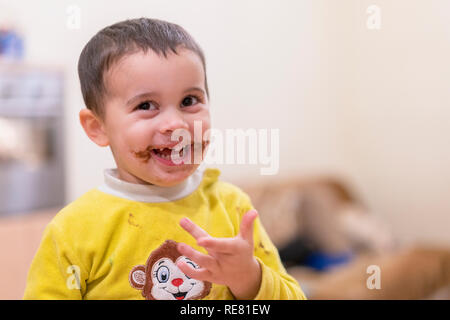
(149, 193)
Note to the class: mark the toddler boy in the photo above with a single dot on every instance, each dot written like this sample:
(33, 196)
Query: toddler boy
(159, 227)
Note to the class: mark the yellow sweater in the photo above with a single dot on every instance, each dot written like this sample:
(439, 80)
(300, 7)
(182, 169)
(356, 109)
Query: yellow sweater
(90, 247)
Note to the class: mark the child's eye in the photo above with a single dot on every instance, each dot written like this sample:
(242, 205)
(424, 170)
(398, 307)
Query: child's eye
(189, 101)
(147, 105)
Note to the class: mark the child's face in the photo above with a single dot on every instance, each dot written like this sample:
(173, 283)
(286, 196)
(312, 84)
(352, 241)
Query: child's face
(148, 97)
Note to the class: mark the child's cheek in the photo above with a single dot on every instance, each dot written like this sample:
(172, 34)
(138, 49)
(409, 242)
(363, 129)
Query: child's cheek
(134, 142)
(200, 125)
(139, 134)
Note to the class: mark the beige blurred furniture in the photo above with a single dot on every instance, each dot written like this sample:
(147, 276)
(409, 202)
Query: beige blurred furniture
(327, 212)
(409, 273)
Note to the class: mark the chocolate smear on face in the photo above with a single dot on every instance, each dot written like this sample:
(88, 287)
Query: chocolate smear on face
(144, 155)
(196, 158)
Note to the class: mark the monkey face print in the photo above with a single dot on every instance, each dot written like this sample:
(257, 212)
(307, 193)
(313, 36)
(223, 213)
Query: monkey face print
(161, 279)
(169, 282)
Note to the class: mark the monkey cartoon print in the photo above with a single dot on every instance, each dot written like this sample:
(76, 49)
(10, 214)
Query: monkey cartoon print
(161, 279)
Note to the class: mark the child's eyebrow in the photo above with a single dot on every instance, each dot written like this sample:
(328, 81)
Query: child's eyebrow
(194, 89)
(147, 94)
(139, 97)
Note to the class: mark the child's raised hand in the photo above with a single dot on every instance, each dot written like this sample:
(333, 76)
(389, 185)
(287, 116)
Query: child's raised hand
(229, 261)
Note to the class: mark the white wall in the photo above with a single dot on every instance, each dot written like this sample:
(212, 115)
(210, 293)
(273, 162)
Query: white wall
(370, 105)
(398, 121)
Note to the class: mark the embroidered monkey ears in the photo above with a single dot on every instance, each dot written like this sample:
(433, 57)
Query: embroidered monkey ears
(161, 279)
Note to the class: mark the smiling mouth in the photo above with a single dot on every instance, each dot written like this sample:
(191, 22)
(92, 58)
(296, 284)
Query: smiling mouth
(164, 155)
(179, 295)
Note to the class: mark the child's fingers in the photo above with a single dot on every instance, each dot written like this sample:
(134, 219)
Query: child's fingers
(199, 258)
(193, 229)
(247, 223)
(201, 274)
(218, 245)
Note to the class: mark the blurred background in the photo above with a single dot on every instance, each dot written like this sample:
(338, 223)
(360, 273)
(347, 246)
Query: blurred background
(359, 91)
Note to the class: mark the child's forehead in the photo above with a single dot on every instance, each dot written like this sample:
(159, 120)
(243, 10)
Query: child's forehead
(149, 71)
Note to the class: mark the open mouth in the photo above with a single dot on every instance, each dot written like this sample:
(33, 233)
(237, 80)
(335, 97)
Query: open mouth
(168, 153)
(179, 295)
(189, 154)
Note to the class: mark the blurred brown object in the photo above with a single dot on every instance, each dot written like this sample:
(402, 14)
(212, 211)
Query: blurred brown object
(407, 273)
(325, 211)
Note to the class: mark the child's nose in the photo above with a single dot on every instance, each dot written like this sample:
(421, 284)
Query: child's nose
(173, 120)
(177, 282)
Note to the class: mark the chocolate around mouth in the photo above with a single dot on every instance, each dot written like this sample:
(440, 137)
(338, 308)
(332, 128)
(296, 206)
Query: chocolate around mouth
(145, 155)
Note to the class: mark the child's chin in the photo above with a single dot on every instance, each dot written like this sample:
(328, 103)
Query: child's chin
(172, 178)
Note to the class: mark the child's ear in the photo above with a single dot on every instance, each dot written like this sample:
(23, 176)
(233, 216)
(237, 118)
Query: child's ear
(93, 127)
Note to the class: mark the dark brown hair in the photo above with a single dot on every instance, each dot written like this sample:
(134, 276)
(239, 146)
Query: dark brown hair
(123, 38)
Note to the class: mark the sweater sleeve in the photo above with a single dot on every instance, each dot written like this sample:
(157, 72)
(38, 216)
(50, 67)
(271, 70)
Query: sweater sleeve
(276, 283)
(55, 272)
